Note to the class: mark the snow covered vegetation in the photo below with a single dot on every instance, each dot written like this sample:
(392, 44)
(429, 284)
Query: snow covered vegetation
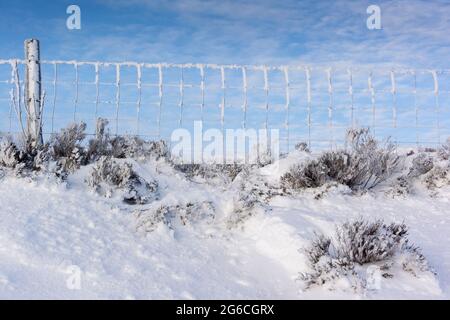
(122, 218)
(354, 247)
(362, 167)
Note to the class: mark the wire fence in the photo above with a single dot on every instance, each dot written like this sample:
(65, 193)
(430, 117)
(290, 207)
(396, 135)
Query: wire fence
(311, 104)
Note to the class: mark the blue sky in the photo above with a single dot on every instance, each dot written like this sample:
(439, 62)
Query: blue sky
(414, 33)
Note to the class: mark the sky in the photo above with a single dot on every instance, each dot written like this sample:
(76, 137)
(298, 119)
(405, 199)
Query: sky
(414, 32)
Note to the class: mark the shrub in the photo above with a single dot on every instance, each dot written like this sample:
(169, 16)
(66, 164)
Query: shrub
(64, 143)
(400, 187)
(437, 177)
(66, 148)
(147, 220)
(357, 243)
(122, 147)
(100, 145)
(41, 158)
(337, 165)
(325, 268)
(421, 164)
(252, 193)
(444, 150)
(23, 158)
(371, 163)
(134, 147)
(227, 172)
(243, 207)
(66, 152)
(107, 175)
(313, 174)
(302, 146)
(157, 149)
(362, 167)
(9, 153)
(265, 156)
(363, 242)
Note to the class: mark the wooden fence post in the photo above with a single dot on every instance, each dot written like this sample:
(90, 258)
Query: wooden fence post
(33, 96)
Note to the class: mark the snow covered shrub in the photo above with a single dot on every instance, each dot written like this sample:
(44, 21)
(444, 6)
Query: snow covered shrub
(365, 242)
(231, 170)
(326, 269)
(190, 170)
(356, 244)
(302, 146)
(422, 169)
(444, 151)
(23, 158)
(147, 220)
(372, 163)
(331, 166)
(362, 167)
(226, 172)
(264, 157)
(243, 207)
(400, 187)
(64, 151)
(191, 212)
(136, 148)
(66, 148)
(9, 153)
(403, 184)
(108, 175)
(41, 159)
(100, 145)
(421, 164)
(310, 175)
(157, 149)
(331, 187)
(252, 193)
(437, 177)
(122, 147)
(64, 143)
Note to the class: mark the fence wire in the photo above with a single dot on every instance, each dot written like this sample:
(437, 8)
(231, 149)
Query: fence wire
(308, 104)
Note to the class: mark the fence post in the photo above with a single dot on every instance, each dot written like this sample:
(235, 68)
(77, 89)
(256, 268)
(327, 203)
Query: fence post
(33, 97)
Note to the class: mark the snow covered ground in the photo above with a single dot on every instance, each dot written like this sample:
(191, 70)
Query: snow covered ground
(49, 228)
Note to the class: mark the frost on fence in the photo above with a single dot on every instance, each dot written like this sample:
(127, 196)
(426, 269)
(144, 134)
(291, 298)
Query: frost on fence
(306, 103)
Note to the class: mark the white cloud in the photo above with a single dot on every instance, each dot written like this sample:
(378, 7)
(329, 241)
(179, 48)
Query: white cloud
(289, 32)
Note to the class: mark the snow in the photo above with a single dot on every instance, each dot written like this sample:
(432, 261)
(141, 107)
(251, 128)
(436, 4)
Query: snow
(47, 228)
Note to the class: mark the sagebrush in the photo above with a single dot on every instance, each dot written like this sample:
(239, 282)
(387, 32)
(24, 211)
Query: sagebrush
(361, 243)
(361, 166)
(107, 176)
(148, 219)
(67, 150)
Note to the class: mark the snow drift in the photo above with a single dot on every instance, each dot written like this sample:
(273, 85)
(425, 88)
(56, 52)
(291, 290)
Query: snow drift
(133, 225)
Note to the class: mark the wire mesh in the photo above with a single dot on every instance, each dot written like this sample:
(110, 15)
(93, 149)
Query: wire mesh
(305, 103)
